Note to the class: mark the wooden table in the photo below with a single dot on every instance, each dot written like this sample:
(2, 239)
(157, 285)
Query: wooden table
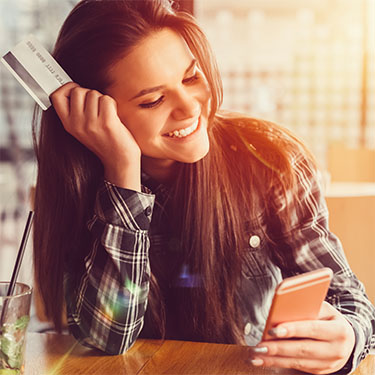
(52, 354)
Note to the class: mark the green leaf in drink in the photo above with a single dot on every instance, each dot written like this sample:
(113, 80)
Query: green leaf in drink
(21, 323)
(12, 346)
(9, 371)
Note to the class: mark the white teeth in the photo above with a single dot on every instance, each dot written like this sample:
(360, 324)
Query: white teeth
(184, 132)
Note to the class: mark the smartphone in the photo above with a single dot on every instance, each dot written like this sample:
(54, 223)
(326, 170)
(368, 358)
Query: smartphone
(298, 298)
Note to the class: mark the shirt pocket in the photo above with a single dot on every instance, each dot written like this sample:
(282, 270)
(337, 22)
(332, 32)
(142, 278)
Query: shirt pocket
(255, 255)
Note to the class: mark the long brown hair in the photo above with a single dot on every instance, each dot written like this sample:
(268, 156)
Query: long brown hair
(247, 159)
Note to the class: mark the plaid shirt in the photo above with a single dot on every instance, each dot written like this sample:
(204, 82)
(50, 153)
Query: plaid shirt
(106, 308)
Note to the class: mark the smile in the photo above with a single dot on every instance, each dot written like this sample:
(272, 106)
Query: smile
(181, 133)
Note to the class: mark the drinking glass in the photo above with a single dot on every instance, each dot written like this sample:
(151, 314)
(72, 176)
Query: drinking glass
(14, 318)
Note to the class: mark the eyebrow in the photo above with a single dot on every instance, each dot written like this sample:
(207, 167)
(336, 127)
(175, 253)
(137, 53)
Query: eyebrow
(157, 88)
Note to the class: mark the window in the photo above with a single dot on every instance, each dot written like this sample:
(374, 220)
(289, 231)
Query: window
(307, 64)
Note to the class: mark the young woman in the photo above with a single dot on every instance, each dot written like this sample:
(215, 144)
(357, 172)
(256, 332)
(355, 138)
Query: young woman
(157, 215)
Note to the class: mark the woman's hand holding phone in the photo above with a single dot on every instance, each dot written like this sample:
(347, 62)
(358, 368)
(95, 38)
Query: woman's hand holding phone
(92, 119)
(320, 346)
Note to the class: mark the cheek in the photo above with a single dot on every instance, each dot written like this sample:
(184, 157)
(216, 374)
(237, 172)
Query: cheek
(144, 127)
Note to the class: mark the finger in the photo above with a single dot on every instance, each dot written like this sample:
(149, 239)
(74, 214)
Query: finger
(92, 104)
(324, 330)
(314, 366)
(77, 103)
(299, 349)
(61, 100)
(327, 311)
(107, 106)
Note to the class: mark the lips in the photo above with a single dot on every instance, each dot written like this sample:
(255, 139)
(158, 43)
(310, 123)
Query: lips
(181, 133)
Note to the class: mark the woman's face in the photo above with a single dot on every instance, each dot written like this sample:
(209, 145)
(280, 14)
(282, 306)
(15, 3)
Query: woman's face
(163, 99)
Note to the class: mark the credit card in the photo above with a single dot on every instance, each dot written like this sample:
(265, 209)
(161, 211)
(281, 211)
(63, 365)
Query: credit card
(35, 69)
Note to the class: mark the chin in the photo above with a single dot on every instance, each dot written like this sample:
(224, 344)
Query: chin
(195, 156)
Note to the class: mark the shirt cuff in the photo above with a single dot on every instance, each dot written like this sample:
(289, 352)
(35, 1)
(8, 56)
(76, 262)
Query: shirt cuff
(124, 207)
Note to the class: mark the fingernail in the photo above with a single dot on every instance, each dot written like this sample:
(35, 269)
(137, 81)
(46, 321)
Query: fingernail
(257, 362)
(278, 332)
(260, 349)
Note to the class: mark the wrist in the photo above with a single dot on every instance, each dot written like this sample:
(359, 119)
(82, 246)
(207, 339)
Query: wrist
(124, 176)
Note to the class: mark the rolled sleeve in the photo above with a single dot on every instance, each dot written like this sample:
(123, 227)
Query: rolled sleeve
(106, 307)
(128, 208)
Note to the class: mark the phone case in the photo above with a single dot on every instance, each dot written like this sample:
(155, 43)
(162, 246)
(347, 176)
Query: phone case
(298, 298)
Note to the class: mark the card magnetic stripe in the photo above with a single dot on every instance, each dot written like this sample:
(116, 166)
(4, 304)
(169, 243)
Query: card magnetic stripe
(27, 79)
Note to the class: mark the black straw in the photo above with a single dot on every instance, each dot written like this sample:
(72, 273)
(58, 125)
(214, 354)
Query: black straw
(17, 265)
(21, 251)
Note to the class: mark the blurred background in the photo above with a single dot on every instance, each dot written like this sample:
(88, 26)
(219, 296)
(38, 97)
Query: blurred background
(306, 64)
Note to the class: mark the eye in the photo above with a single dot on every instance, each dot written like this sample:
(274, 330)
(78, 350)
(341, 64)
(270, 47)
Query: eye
(152, 104)
(191, 79)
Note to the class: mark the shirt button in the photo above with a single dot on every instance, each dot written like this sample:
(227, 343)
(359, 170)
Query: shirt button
(254, 241)
(148, 211)
(247, 329)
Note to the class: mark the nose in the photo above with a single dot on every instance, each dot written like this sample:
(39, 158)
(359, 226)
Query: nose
(186, 106)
